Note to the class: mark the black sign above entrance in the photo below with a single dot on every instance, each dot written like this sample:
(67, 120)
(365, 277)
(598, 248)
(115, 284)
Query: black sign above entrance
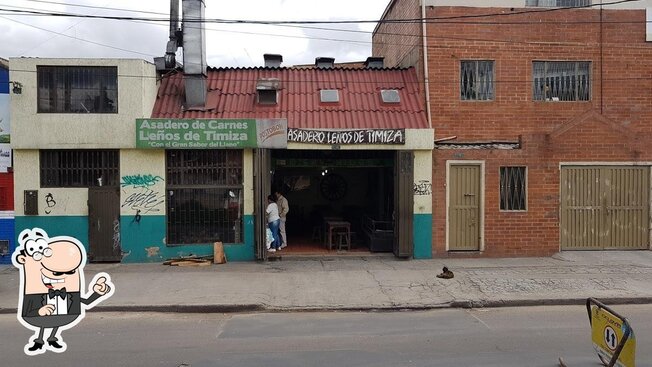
(343, 137)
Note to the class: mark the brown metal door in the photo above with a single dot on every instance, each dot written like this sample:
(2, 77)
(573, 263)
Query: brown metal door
(104, 224)
(464, 207)
(605, 208)
(262, 188)
(404, 204)
(627, 192)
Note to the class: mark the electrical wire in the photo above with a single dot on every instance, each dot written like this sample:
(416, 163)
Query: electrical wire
(381, 21)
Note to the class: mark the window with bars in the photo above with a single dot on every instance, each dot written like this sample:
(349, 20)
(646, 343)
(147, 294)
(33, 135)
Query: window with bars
(205, 196)
(558, 3)
(79, 168)
(477, 80)
(561, 80)
(77, 89)
(513, 188)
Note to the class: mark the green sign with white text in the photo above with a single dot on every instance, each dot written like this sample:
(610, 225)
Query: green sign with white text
(159, 133)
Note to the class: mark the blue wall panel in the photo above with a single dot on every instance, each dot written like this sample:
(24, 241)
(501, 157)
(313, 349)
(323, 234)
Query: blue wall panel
(7, 233)
(422, 236)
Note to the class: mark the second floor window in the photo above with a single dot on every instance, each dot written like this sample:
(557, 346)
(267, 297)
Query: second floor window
(477, 80)
(561, 80)
(77, 89)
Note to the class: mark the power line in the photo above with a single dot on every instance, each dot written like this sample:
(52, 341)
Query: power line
(382, 21)
(79, 39)
(96, 7)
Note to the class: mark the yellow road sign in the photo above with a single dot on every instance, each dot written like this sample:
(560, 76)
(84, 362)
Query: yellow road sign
(607, 332)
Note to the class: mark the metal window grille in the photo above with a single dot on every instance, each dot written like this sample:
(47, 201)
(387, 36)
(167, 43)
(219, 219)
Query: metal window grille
(77, 89)
(477, 80)
(561, 80)
(558, 3)
(205, 199)
(513, 195)
(79, 168)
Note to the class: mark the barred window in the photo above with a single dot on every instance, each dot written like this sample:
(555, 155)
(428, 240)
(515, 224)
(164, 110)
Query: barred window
(561, 80)
(79, 168)
(77, 89)
(513, 188)
(558, 3)
(205, 196)
(477, 80)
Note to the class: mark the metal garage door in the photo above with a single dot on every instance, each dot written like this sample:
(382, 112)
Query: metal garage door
(605, 208)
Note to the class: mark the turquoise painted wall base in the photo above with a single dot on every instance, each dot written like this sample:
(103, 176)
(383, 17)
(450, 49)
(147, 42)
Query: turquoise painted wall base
(142, 241)
(422, 236)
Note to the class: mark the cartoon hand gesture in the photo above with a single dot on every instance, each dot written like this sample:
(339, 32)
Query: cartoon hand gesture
(101, 287)
(46, 310)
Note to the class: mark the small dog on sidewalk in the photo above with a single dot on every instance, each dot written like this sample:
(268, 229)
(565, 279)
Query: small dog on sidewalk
(445, 274)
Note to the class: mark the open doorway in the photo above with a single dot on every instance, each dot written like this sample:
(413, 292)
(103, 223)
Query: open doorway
(340, 201)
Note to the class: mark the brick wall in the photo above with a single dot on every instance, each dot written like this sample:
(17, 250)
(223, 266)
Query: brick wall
(400, 43)
(613, 126)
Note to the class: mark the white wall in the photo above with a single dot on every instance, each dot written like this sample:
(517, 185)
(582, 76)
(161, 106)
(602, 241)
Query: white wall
(137, 88)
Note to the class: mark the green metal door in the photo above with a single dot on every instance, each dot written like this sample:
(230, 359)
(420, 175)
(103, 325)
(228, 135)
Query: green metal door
(464, 195)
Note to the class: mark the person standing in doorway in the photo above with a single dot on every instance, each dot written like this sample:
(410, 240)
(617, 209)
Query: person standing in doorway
(283, 209)
(273, 222)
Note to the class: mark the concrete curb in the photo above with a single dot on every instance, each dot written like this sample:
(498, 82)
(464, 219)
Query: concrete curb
(465, 304)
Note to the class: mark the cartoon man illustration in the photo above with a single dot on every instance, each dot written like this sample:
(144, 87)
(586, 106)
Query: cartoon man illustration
(52, 287)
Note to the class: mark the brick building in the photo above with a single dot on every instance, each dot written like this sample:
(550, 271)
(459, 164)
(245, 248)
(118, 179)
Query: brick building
(542, 118)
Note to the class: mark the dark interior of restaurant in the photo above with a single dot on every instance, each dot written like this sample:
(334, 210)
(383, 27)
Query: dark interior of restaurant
(349, 192)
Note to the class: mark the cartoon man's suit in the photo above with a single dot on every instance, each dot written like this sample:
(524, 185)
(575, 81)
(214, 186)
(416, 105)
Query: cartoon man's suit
(52, 282)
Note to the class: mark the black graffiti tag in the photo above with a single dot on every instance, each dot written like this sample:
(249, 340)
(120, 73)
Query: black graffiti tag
(423, 187)
(50, 202)
(146, 201)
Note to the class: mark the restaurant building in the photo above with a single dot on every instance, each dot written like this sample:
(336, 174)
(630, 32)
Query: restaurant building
(110, 152)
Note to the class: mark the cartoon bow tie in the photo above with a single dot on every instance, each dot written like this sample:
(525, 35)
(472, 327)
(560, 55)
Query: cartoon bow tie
(61, 293)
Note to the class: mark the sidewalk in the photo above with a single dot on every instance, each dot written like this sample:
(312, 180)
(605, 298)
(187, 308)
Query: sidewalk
(368, 283)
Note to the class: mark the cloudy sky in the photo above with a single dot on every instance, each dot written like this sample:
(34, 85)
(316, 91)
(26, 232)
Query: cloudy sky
(227, 44)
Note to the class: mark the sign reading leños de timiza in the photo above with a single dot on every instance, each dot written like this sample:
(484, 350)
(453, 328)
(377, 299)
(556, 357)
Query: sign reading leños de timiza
(211, 133)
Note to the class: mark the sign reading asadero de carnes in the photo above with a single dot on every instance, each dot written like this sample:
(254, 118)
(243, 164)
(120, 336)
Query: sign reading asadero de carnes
(211, 133)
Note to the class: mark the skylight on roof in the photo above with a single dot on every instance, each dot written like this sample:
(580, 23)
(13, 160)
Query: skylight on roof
(329, 95)
(390, 96)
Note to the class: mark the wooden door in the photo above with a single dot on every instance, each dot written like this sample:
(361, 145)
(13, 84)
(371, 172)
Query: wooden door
(404, 204)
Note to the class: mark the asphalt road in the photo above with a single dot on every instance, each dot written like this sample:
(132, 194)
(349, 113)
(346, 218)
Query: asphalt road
(526, 336)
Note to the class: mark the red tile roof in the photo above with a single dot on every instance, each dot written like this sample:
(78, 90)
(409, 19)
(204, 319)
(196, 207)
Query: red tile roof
(232, 94)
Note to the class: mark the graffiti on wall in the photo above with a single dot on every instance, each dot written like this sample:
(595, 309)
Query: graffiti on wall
(50, 203)
(116, 234)
(144, 201)
(139, 194)
(423, 187)
(137, 181)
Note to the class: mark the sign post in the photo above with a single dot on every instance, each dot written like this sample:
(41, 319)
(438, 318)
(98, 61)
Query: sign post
(612, 336)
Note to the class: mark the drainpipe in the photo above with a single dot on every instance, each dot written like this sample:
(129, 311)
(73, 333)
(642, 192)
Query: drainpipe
(425, 61)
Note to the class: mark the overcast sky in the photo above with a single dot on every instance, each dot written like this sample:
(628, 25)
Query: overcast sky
(227, 45)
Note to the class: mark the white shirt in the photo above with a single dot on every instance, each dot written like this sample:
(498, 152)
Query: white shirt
(61, 305)
(272, 212)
